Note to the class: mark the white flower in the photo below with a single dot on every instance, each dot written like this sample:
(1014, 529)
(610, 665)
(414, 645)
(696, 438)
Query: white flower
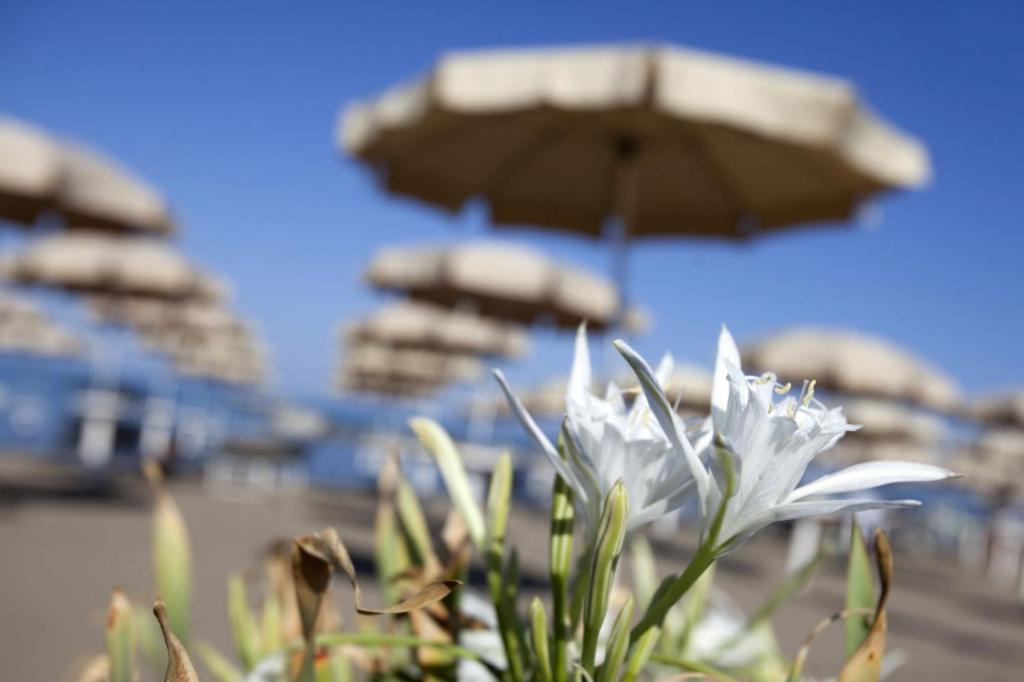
(771, 443)
(605, 443)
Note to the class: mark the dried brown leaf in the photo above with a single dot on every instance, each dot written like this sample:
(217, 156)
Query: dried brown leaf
(179, 667)
(865, 664)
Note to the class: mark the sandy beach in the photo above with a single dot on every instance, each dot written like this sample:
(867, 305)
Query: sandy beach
(64, 549)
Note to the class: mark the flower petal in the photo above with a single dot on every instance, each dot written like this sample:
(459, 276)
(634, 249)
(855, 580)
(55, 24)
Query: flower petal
(667, 418)
(870, 475)
(580, 376)
(531, 428)
(799, 510)
(728, 355)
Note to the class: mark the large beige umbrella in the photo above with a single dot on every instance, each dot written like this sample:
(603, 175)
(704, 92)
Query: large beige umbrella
(24, 328)
(892, 422)
(92, 262)
(1003, 408)
(503, 281)
(667, 140)
(40, 173)
(854, 363)
(420, 325)
(410, 364)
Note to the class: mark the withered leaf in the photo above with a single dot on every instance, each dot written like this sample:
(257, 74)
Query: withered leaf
(865, 664)
(179, 667)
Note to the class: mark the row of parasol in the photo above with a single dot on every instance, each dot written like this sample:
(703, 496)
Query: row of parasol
(106, 239)
(620, 142)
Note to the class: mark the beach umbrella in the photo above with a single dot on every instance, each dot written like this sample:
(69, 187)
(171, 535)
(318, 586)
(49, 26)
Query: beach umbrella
(41, 173)
(197, 319)
(854, 363)
(502, 281)
(92, 262)
(26, 329)
(1003, 408)
(410, 324)
(662, 140)
(893, 422)
(410, 364)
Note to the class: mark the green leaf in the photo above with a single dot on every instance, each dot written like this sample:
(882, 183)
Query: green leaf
(640, 652)
(436, 440)
(644, 571)
(618, 643)
(692, 666)
(270, 629)
(539, 635)
(414, 523)
(219, 666)
(172, 562)
(243, 624)
(611, 534)
(860, 590)
(390, 549)
(782, 593)
(120, 638)
(504, 593)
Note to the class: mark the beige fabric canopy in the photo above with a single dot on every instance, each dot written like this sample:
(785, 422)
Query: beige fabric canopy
(883, 420)
(855, 363)
(40, 173)
(420, 325)
(199, 318)
(671, 141)
(108, 264)
(1005, 408)
(412, 365)
(503, 281)
(24, 328)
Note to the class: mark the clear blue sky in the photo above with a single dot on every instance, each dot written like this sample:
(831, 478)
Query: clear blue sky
(229, 107)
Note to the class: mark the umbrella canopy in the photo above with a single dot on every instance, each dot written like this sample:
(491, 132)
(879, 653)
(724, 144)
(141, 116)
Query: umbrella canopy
(1005, 408)
(409, 365)
(670, 141)
(40, 173)
(409, 324)
(196, 318)
(502, 281)
(100, 263)
(26, 329)
(854, 363)
(884, 420)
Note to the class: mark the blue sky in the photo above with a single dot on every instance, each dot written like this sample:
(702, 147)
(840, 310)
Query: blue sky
(229, 107)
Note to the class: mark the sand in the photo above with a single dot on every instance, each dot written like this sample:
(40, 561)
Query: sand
(63, 550)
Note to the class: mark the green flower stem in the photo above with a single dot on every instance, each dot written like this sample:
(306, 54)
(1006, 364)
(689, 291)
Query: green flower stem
(706, 554)
(693, 666)
(560, 561)
(610, 537)
(640, 653)
(503, 594)
(674, 591)
(539, 633)
(618, 643)
(380, 639)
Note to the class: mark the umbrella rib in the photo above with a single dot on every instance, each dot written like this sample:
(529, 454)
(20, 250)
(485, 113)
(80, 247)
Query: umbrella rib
(720, 177)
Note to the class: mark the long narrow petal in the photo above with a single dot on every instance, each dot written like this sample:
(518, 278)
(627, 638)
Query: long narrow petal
(580, 375)
(531, 427)
(728, 355)
(743, 529)
(667, 418)
(870, 475)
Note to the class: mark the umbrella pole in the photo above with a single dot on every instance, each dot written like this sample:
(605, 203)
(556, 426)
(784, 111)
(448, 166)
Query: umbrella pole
(624, 198)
